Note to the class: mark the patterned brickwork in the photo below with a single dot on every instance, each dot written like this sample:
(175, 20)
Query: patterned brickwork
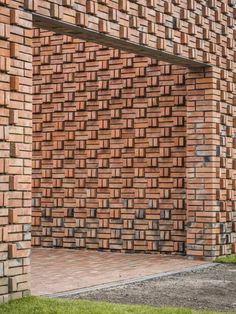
(191, 176)
(226, 163)
(15, 149)
(200, 30)
(210, 163)
(197, 30)
(109, 148)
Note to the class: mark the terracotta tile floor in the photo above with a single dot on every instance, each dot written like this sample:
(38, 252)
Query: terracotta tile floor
(57, 270)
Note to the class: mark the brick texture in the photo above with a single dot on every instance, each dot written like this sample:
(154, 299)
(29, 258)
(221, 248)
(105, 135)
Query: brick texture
(129, 153)
(109, 148)
(118, 154)
(210, 214)
(200, 30)
(15, 149)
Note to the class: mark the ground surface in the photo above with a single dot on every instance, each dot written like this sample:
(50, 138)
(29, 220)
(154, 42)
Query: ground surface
(212, 288)
(55, 306)
(58, 270)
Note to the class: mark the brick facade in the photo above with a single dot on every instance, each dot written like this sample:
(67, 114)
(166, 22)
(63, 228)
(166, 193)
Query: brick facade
(194, 191)
(15, 149)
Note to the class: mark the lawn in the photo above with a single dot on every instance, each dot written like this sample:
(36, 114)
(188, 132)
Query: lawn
(230, 259)
(35, 305)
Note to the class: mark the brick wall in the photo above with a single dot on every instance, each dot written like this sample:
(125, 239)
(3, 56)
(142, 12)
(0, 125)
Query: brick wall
(192, 33)
(210, 166)
(130, 154)
(15, 149)
(187, 33)
(196, 30)
(109, 148)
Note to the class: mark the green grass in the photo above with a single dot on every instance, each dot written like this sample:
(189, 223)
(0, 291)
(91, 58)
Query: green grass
(35, 305)
(230, 259)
